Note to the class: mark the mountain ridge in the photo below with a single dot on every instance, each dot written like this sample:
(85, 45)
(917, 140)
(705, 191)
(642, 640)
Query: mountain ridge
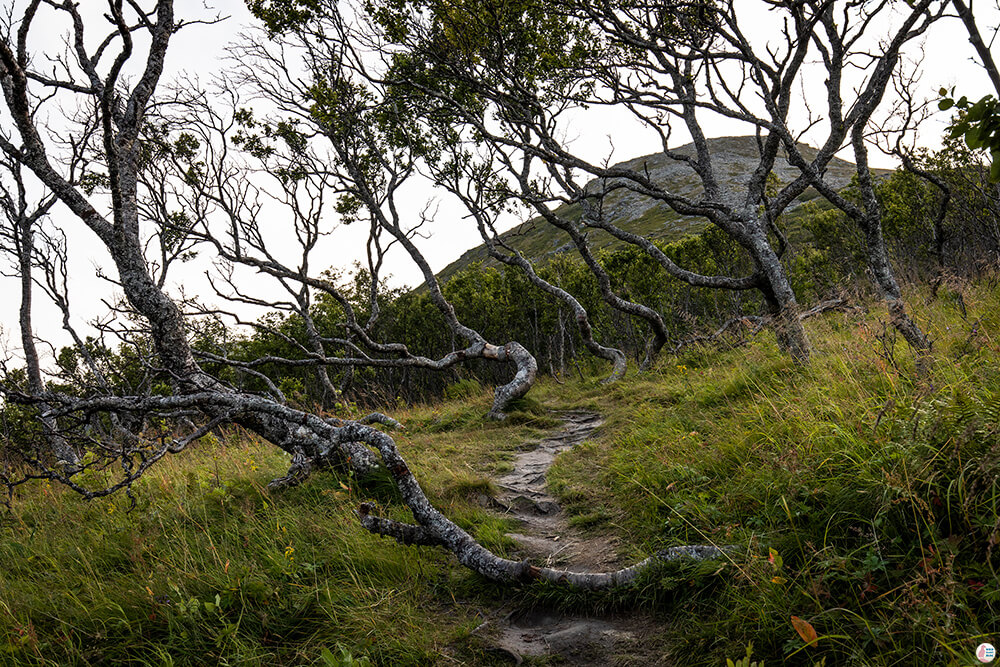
(733, 158)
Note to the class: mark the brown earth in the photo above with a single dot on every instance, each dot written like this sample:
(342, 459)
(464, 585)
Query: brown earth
(545, 636)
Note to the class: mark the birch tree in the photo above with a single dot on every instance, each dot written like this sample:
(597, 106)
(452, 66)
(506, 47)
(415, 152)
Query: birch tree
(514, 75)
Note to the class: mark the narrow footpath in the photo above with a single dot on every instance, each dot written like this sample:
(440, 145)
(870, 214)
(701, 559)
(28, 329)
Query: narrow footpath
(545, 536)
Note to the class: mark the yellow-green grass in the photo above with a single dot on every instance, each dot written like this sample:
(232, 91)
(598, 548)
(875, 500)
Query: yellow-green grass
(860, 498)
(876, 490)
(209, 567)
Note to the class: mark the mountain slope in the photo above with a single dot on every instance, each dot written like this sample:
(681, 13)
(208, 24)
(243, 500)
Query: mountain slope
(734, 159)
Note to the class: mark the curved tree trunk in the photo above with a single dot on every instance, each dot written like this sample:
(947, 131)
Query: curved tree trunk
(434, 529)
(331, 395)
(515, 258)
(524, 378)
(309, 437)
(780, 299)
(650, 316)
(870, 222)
(654, 345)
(885, 281)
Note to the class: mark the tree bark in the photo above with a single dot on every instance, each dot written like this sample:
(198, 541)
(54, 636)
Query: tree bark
(309, 437)
(780, 299)
(61, 450)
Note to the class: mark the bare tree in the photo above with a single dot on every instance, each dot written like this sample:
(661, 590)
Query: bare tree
(512, 74)
(152, 426)
(296, 178)
(19, 226)
(897, 136)
(841, 41)
(482, 193)
(366, 126)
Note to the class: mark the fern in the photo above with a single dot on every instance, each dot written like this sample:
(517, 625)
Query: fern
(991, 408)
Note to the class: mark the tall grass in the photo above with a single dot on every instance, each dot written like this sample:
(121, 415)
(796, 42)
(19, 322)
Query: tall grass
(861, 499)
(209, 567)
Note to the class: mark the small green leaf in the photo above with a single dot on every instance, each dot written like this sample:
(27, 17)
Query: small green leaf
(995, 170)
(946, 104)
(972, 139)
(327, 657)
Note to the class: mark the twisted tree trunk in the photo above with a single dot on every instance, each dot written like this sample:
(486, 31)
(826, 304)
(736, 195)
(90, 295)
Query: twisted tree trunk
(310, 438)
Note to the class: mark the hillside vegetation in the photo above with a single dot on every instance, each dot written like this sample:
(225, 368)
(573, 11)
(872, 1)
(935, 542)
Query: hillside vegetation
(735, 157)
(858, 496)
(772, 439)
(859, 500)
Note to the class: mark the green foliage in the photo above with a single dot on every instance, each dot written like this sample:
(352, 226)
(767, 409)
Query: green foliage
(534, 46)
(745, 661)
(343, 658)
(862, 503)
(978, 122)
(210, 566)
(283, 15)
(466, 388)
(21, 428)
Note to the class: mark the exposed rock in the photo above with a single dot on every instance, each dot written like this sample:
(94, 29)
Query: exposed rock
(546, 535)
(576, 639)
(734, 159)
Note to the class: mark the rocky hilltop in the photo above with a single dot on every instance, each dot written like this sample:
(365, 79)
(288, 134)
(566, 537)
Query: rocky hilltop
(734, 160)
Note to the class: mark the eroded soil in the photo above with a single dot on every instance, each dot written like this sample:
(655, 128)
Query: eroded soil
(546, 537)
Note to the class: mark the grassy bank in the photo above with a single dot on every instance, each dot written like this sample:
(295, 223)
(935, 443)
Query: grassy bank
(864, 501)
(860, 500)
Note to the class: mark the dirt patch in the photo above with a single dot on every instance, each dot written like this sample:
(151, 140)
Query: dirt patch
(549, 637)
(546, 537)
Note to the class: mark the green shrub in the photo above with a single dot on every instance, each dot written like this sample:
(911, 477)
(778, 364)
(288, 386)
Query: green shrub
(463, 389)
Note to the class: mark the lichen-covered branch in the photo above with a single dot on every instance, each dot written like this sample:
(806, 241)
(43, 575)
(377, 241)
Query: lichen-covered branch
(434, 529)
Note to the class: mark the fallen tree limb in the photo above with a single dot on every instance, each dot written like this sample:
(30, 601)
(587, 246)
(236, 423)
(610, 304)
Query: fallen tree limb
(434, 529)
(333, 442)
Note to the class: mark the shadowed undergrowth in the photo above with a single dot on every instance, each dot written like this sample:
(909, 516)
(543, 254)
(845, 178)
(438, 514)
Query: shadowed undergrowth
(862, 501)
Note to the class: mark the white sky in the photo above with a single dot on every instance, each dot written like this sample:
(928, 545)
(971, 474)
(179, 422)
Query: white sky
(199, 50)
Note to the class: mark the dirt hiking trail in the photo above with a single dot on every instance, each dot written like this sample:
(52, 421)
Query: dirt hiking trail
(545, 636)
(546, 536)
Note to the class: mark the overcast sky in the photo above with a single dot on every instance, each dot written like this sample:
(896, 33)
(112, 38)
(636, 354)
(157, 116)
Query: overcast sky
(200, 51)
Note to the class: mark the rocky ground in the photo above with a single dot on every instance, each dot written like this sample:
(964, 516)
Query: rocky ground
(546, 537)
